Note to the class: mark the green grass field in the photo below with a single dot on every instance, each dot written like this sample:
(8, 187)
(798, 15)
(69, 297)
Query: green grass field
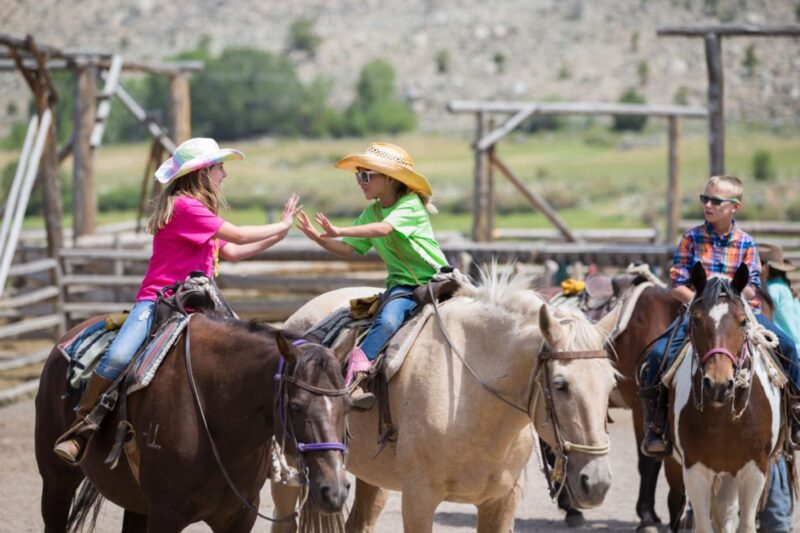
(593, 177)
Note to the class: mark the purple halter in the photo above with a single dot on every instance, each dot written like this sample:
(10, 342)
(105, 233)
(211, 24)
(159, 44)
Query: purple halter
(302, 447)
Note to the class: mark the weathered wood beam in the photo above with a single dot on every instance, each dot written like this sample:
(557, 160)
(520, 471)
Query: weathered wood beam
(577, 108)
(752, 30)
(673, 178)
(180, 108)
(481, 214)
(497, 134)
(536, 200)
(84, 197)
(104, 107)
(716, 100)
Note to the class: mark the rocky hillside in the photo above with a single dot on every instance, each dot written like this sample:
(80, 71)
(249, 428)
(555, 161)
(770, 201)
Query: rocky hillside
(590, 50)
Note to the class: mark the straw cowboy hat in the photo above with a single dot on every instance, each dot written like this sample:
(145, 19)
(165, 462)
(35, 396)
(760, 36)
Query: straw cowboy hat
(772, 255)
(391, 160)
(192, 155)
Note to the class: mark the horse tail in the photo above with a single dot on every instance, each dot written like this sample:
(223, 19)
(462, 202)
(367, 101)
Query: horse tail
(86, 505)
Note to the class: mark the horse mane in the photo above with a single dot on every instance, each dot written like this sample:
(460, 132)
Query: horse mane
(511, 291)
(508, 290)
(716, 287)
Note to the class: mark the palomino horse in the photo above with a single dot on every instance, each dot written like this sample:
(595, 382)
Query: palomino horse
(725, 414)
(463, 407)
(181, 450)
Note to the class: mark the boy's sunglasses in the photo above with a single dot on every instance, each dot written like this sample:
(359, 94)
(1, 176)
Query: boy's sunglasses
(365, 176)
(715, 201)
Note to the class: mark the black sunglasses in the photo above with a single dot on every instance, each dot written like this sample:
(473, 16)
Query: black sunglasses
(365, 176)
(715, 201)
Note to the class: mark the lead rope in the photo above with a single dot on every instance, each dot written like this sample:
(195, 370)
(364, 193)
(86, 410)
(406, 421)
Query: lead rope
(196, 398)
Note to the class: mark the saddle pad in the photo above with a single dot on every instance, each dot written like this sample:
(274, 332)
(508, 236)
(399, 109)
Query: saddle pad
(84, 350)
(401, 342)
(150, 359)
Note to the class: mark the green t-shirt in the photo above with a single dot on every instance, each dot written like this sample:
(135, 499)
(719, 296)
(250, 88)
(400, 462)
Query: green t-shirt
(411, 253)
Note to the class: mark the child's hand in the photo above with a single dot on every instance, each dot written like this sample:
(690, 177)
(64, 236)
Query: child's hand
(290, 210)
(330, 230)
(304, 225)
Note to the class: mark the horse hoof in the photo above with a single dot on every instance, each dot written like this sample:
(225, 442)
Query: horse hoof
(575, 519)
(651, 528)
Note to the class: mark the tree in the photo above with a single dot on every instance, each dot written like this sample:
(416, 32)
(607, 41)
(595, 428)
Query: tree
(630, 122)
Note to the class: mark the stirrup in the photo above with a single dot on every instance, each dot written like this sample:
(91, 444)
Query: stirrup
(652, 437)
(69, 450)
(362, 400)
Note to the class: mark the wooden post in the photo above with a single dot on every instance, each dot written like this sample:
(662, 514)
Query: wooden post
(51, 194)
(180, 109)
(84, 197)
(481, 223)
(673, 178)
(490, 189)
(716, 112)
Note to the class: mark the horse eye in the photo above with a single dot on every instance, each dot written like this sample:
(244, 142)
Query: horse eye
(560, 384)
(296, 407)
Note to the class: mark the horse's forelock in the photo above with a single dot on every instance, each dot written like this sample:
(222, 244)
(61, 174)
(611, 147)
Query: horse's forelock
(716, 287)
(317, 361)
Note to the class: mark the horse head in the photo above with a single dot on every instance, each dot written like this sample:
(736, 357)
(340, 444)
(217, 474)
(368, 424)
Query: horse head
(577, 379)
(717, 319)
(313, 405)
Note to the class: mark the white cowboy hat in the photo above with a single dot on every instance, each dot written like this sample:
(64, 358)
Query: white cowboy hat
(194, 154)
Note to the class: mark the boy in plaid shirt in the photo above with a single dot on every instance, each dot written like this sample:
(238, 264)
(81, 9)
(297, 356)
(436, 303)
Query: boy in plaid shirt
(720, 246)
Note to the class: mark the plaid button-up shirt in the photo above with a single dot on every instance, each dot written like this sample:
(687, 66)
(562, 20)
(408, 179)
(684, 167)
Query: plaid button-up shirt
(719, 254)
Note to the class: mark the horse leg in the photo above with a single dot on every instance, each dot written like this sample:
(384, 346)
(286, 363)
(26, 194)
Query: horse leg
(284, 499)
(162, 519)
(750, 481)
(134, 522)
(699, 482)
(676, 500)
(498, 515)
(420, 501)
(646, 504)
(59, 484)
(368, 504)
(725, 505)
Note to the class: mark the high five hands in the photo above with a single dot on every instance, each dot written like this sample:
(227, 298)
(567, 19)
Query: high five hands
(291, 210)
(329, 230)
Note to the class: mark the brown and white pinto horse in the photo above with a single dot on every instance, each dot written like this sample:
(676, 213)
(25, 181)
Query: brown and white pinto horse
(725, 413)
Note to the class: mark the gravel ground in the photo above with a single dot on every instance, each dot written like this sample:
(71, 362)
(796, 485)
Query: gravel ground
(20, 485)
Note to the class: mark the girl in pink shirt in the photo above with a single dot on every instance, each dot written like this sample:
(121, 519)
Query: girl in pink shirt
(189, 235)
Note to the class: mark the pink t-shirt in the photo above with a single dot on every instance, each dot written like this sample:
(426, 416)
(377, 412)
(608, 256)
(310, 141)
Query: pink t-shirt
(185, 244)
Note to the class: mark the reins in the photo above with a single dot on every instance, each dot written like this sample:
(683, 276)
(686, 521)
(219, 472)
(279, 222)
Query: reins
(563, 446)
(281, 379)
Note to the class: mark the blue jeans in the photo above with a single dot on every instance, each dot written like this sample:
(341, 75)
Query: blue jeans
(389, 320)
(777, 513)
(654, 364)
(131, 335)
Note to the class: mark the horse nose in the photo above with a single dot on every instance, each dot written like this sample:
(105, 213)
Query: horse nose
(707, 383)
(334, 496)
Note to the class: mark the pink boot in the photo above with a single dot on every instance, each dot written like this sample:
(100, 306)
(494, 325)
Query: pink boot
(357, 362)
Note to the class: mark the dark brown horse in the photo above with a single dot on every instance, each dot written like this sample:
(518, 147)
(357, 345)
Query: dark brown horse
(654, 310)
(170, 478)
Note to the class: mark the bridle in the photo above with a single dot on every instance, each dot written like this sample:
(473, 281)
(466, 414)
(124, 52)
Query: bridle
(281, 398)
(538, 381)
(742, 377)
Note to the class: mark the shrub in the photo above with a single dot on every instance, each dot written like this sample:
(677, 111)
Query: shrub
(750, 61)
(376, 109)
(681, 95)
(763, 169)
(302, 37)
(442, 61)
(499, 60)
(643, 71)
(630, 122)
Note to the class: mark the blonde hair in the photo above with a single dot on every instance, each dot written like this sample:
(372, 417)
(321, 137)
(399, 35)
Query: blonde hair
(196, 184)
(732, 184)
(401, 189)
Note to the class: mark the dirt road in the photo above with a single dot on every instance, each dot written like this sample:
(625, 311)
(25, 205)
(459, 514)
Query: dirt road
(20, 486)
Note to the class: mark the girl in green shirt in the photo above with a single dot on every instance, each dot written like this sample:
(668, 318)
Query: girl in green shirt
(398, 226)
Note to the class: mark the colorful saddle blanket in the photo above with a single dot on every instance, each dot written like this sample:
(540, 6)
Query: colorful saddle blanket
(84, 350)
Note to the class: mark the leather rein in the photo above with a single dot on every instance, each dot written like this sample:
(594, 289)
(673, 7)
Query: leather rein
(541, 377)
(281, 399)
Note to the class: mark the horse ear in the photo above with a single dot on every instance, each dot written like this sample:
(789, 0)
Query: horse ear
(607, 324)
(288, 350)
(698, 277)
(741, 278)
(551, 329)
(346, 345)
